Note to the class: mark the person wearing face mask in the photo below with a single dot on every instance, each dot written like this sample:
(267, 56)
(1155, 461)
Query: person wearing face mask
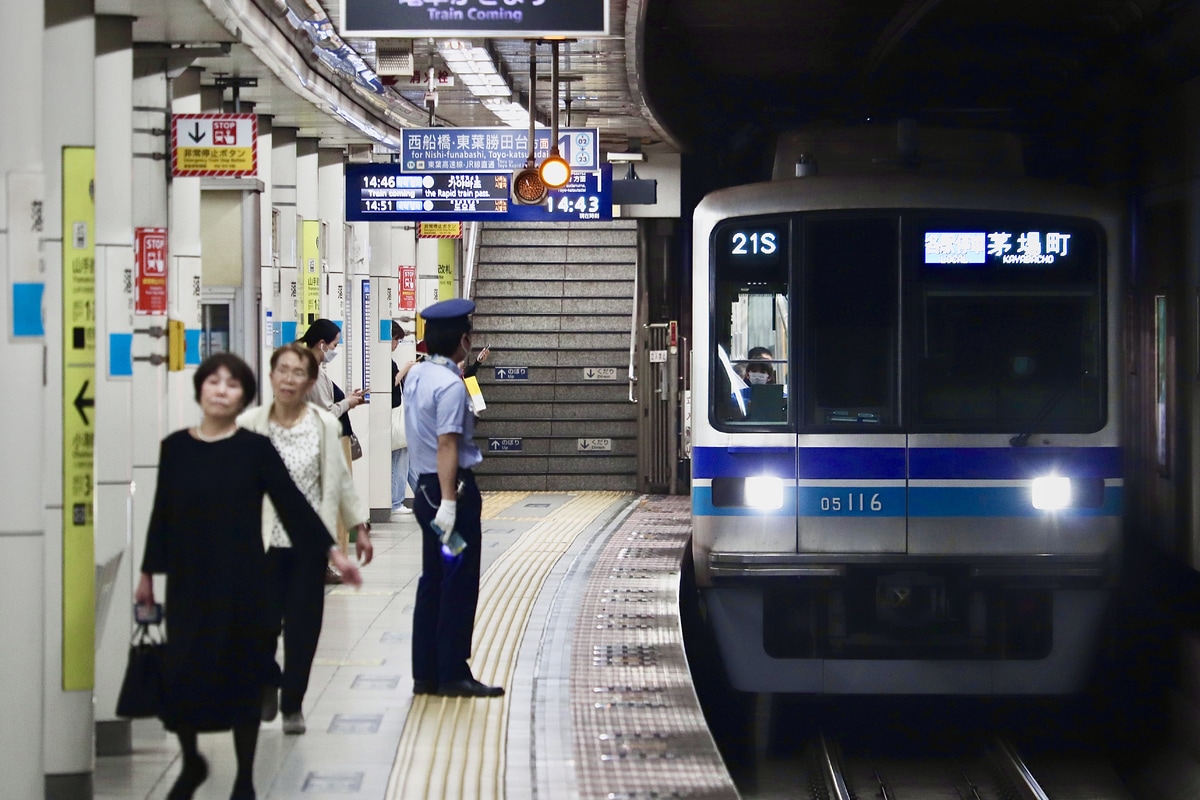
(323, 337)
(759, 370)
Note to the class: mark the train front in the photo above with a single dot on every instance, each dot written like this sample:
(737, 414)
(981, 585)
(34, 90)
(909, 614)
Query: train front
(906, 466)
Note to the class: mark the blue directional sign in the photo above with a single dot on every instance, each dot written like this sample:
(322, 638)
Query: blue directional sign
(511, 373)
(382, 193)
(493, 149)
(504, 445)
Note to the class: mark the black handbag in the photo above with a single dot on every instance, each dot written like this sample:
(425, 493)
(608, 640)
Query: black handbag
(142, 690)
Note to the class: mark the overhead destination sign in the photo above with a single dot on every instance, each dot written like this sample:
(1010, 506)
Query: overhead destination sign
(468, 18)
(381, 193)
(494, 149)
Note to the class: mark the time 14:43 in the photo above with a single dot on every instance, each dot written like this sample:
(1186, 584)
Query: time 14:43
(565, 205)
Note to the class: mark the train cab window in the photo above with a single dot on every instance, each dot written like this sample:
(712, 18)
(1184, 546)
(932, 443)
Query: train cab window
(851, 279)
(1008, 333)
(750, 363)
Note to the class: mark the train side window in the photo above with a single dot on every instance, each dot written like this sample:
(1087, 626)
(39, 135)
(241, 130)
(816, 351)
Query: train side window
(851, 278)
(751, 321)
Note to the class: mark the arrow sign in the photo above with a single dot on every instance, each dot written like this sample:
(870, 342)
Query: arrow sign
(195, 135)
(82, 402)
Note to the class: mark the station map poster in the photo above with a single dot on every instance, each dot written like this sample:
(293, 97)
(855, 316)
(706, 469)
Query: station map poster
(78, 418)
(474, 18)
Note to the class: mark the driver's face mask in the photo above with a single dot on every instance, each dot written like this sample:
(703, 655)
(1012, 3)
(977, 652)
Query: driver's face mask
(756, 378)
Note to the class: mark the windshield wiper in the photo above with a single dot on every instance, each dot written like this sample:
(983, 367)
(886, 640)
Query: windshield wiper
(1022, 439)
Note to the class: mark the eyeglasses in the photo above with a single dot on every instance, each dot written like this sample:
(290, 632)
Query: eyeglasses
(297, 374)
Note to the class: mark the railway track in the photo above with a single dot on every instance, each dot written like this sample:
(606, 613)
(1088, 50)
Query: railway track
(992, 771)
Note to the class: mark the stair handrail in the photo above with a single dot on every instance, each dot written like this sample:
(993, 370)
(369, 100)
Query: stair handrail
(469, 259)
(633, 331)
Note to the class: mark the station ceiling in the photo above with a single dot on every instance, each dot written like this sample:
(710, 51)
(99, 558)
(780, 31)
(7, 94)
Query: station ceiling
(717, 76)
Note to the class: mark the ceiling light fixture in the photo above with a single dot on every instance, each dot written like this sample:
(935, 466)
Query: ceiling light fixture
(482, 72)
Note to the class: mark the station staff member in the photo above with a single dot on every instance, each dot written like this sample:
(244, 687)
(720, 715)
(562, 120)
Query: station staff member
(440, 428)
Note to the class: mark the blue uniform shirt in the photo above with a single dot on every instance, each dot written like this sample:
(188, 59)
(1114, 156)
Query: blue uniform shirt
(436, 402)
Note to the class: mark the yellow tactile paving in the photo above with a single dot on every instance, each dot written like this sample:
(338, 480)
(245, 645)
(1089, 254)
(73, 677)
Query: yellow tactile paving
(455, 747)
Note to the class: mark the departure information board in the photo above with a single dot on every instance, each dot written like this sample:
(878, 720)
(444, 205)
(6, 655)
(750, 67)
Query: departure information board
(383, 193)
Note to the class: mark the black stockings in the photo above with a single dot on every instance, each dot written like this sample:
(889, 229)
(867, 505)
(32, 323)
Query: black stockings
(245, 742)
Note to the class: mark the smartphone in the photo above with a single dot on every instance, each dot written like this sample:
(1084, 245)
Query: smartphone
(146, 615)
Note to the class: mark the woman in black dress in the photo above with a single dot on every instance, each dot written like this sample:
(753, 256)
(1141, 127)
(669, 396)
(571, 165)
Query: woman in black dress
(205, 534)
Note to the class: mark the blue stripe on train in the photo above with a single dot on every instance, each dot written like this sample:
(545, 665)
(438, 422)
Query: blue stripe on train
(924, 463)
(924, 501)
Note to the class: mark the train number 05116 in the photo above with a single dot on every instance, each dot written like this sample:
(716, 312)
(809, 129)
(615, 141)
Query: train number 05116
(852, 501)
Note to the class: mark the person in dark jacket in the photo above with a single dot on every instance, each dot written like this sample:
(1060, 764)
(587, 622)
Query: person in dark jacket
(205, 535)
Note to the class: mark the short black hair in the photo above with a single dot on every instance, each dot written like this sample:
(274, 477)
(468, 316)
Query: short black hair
(442, 336)
(760, 352)
(397, 332)
(320, 330)
(238, 370)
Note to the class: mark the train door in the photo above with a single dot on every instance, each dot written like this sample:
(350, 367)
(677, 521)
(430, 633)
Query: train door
(851, 455)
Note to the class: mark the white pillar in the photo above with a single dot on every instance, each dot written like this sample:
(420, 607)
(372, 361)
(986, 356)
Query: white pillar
(183, 269)
(114, 374)
(267, 261)
(22, 429)
(283, 200)
(68, 120)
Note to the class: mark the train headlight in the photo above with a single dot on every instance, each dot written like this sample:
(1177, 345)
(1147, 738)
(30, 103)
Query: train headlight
(1051, 493)
(764, 492)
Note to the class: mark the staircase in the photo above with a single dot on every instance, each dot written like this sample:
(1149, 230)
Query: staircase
(554, 302)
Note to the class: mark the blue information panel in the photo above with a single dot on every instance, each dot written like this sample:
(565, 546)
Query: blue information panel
(493, 149)
(382, 193)
(511, 373)
(504, 445)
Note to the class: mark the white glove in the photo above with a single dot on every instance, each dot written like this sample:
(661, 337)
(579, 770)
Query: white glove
(446, 514)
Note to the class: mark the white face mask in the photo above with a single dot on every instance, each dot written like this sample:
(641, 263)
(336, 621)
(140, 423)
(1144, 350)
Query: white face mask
(330, 355)
(756, 378)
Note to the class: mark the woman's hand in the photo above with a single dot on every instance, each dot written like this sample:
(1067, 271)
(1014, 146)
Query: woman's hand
(362, 544)
(401, 371)
(144, 594)
(346, 568)
(355, 398)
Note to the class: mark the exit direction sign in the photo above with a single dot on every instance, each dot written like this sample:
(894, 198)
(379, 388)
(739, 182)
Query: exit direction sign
(504, 445)
(511, 373)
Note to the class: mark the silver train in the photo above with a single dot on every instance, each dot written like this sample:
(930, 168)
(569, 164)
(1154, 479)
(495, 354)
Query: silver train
(906, 465)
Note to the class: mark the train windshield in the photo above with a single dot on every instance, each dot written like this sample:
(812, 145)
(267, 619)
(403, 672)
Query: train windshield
(752, 318)
(1007, 334)
(921, 321)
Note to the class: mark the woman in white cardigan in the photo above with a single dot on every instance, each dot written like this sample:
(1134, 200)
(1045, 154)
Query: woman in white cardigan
(308, 440)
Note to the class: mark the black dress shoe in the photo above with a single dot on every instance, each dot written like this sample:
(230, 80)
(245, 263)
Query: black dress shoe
(424, 687)
(468, 687)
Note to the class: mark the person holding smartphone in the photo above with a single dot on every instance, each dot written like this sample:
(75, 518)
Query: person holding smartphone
(205, 534)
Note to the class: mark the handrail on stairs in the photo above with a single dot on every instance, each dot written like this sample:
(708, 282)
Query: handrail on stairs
(633, 331)
(469, 259)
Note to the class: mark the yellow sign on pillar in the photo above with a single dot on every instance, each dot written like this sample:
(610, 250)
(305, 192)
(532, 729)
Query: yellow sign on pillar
(446, 252)
(309, 302)
(78, 417)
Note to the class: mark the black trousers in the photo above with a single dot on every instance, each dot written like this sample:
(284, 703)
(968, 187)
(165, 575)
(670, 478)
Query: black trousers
(299, 598)
(444, 615)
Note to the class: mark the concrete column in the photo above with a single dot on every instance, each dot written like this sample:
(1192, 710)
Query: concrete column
(283, 200)
(151, 120)
(114, 374)
(183, 270)
(268, 264)
(22, 429)
(68, 120)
